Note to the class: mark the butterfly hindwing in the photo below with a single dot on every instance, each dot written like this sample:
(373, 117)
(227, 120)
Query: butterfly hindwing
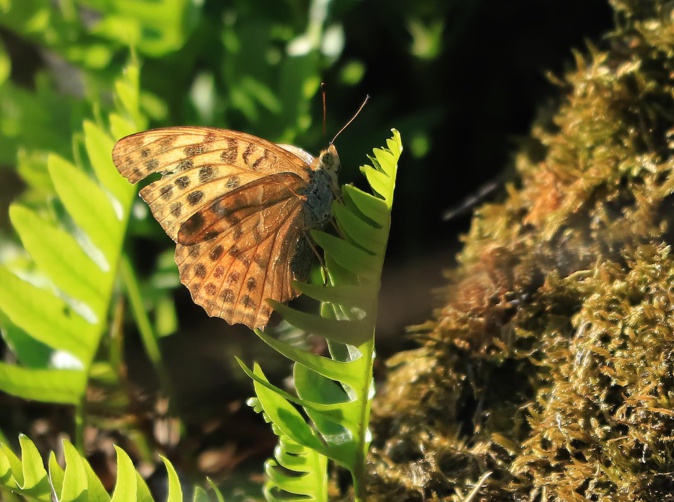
(231, 279)
(252, 211)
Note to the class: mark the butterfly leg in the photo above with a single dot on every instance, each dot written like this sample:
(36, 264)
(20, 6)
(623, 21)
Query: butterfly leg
(337, 229)
(321, 262)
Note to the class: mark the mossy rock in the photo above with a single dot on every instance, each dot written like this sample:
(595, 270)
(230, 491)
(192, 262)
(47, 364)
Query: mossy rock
(551, 364)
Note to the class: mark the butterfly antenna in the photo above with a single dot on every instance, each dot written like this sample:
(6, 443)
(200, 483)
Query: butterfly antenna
(352, 119)
(325, 112)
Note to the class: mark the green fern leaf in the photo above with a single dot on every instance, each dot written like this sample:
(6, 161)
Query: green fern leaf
(77, 482)
(296, 472)
(27, 475)
(335, 393)
(63, 303)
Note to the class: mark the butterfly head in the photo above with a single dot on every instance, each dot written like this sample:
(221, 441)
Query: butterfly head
(329, 162)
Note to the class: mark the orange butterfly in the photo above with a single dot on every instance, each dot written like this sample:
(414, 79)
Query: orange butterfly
(239, 209)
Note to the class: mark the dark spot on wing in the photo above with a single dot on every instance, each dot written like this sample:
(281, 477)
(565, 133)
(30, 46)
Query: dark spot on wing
(205, 174)
(200, 270)
(259, 162)
(166, 191)
(193, 224)
(184, 165)
(151, 164)
(247, 153)
(195, 197)
(247, 301)
(192, 150)
(232, 182)
(228, 156)
(227, 296)
(216, 252)
(261, 261)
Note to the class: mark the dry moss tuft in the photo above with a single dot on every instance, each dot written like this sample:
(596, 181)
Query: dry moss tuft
(552, 361)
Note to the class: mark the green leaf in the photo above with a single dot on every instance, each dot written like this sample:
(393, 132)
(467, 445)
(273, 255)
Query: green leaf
(175, 494)
(28, 351)
(75, 487)
(95, 490)
(34, 479)
(78, 482)
(56, 473)
(89, 207)
(284, 415)
(63, 259)
(99, 147)
(358, 230)
(52, 386)
(345, 254)
(329, 368)
(45, 317)
(312, 386)
(6, 478)
(62, 303)
(372, 208)
(200, 495)
(377, 180)
(344, 295)
(126, 486)
(216, 491)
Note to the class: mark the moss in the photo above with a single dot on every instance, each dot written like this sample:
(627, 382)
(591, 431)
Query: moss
(551, 363)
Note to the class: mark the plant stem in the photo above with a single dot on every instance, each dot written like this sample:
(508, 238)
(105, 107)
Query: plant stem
(147, 334)
(359, 474)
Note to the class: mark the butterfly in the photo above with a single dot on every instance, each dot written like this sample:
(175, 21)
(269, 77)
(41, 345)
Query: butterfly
(239, 209)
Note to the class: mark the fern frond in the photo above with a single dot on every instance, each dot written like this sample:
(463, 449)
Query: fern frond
(26, 476)
(63, 302)
(295, 469)
(336, 393)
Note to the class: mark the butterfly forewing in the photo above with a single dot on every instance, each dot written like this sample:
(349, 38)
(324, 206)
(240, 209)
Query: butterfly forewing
(235, 205)
(199, 165)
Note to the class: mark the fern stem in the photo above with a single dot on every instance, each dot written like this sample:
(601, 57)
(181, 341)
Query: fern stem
(147, 334)
(79, 428)
(359, 473)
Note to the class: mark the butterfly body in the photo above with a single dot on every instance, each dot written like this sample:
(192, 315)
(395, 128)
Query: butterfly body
(239, 209)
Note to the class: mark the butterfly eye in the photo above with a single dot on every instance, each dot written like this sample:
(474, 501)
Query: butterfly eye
(330, 162)
(327, 160)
